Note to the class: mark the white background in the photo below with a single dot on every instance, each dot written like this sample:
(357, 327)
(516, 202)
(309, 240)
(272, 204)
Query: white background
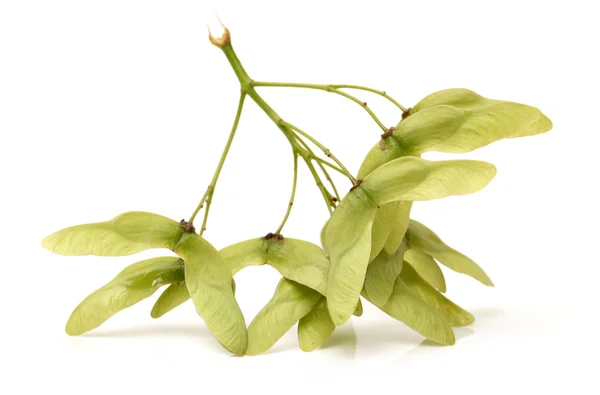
(111, 106)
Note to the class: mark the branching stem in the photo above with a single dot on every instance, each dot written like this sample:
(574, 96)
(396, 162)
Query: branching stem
(207, 198)
(336, 89)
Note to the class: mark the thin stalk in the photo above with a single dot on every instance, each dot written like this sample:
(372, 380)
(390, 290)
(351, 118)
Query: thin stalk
(247, 86)
(325, 150)
(376, 91)
(326, 88)
(207, 198)
(330, 165)
(323, 170)
(293, 195)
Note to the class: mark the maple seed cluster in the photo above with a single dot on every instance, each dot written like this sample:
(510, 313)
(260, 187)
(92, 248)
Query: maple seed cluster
(371, 249)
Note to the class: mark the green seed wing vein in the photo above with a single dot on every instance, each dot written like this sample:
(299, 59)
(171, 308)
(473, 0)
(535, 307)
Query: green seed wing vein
(424, 239)
(348, 238)
(300, 261)
(452, 313)
(209, 282)
(381, 276)
(132, 285)
(316, 327)
(417, 314)
(459, 121)
(172, 297)
(412, 178)
(246, 253)
(427, 268)
(126, 234)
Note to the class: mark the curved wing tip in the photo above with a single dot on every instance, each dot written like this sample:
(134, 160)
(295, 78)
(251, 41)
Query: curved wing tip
(155, 314)
(308, 348)
(48, 243)
(73, 331)
(339, 319)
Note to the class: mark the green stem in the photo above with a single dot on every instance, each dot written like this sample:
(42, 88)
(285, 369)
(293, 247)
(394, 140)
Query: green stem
(323, 170)
(376, 91)
(247, 86)
(330, 165)
(293, 195)
(325, 150)
(207, 198)
(333, 89)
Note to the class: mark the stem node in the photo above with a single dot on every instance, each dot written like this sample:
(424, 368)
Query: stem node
(188, 226)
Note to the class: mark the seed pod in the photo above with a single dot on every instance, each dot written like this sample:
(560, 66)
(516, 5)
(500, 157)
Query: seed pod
(384, 222)
(452, 313)
(381, 275)
(389, 226)
(130, 286)
(401, 220)
(422, 238)
(209, 283)
(173, 296)
(348, 235)
(427, 268)
(316, 327)
(407, 307)
(127, 234)
(289, 304)
(411, 178)
(296, 260)
(460, 120)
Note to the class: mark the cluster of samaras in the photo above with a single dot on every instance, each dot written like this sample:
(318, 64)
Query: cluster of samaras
(370, 246)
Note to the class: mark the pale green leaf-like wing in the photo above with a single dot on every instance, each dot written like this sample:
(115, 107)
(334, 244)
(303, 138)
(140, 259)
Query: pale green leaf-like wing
(245, 253)
(209, 282)
(297, 260)
(427, 268)
(348, 239)
(316, 327)
(417, 314)
(454, 314)
(127, 234)
(173, 296)
(135, 283)
(423, 238)
(381, 276)
(289, 304)
(412, 178)
(300, 261)
(396, 236)
(459, 121)
(384, 223)
(377, 156)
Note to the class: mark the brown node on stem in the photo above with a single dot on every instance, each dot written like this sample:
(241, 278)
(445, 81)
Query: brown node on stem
(334, 199)
(406, 113)
(358, 182)
(270, 235)
(188, 226)
(387, 133)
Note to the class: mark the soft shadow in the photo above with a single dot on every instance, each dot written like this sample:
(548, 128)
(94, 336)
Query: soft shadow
(459, 333)
(190, 331)
(382, 335)
(486, 313)
(342, 342)
(158, 339)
